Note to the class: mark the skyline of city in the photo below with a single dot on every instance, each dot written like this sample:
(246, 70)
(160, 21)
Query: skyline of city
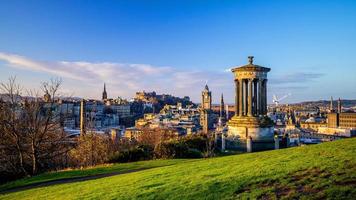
(198, 99)
(308, 46)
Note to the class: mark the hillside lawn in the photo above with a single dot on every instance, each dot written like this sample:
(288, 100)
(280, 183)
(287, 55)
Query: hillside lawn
(321, 171)
(101, 169)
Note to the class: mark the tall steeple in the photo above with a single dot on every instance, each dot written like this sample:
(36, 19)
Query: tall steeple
(222, 120)
(339, 106)
(222, 106)
(331, 104)
(105, 95)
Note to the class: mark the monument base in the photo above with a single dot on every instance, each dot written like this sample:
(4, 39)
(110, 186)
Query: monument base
(246, 134)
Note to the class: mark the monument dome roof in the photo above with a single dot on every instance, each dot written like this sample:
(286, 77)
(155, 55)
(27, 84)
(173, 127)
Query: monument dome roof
(251, 67)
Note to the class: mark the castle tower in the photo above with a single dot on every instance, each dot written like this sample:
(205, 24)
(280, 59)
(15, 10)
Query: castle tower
(105, 95)
(82, 117)
(250, 121)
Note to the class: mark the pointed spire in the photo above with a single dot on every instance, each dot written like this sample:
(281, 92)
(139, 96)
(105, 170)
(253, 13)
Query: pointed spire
(331, 104)
(105, 95)
(339, 105)
(222, 106)
(206, 87)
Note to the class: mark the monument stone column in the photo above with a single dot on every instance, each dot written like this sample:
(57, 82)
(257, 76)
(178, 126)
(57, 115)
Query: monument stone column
(237, 92)
(249, 112)
(264, 96)
(255, 98)
(240, 97)
(246, 97)
(260, 97)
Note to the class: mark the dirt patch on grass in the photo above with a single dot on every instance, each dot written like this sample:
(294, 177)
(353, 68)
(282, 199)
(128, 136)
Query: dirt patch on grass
(302, 182)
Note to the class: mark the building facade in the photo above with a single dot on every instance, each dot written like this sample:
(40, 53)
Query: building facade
(342, 120)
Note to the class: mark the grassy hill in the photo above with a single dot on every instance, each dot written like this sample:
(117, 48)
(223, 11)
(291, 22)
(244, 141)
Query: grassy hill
(311, 172)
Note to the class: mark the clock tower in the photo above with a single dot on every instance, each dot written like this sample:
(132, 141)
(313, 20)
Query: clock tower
(205, 110)
(206, 98)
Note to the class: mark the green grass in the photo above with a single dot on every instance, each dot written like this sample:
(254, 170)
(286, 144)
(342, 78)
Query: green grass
(103, 169)
(325, 171)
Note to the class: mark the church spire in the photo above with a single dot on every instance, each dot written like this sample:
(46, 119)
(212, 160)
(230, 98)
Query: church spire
(222, 111)
(105, 95)
(222, 106)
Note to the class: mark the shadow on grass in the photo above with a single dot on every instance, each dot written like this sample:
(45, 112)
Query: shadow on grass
(69, 180)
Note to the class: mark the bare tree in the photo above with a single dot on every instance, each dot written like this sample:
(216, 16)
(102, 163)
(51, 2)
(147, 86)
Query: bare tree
(44, 132)
(31, 126)
(11, 129)
(91, 149)
(153, 137)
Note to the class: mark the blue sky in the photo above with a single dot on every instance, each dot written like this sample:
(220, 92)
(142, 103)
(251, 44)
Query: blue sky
(176, 46)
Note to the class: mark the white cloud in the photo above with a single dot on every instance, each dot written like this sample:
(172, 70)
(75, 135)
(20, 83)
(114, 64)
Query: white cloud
(125, 79)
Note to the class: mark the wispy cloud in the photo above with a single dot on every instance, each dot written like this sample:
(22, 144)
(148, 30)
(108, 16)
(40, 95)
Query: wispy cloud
(298, 77)
(124, 78)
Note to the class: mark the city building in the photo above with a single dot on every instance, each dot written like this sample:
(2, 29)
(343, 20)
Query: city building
(313, 126)
(184, 120)
(341, 119)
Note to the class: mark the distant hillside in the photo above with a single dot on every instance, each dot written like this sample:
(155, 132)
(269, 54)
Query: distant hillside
(345, 103)
(321, 171)
(5, 97)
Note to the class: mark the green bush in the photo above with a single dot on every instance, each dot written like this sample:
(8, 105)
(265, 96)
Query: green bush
(142, 152)
(196, 142)
(176, 149)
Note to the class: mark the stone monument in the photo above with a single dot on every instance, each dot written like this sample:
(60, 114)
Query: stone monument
(250, 129)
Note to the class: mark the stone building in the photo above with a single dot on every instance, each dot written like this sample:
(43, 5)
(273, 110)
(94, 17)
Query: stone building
(314, 126)
(341, 119)
(206, 114)
(250, 129)
(47, 98)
